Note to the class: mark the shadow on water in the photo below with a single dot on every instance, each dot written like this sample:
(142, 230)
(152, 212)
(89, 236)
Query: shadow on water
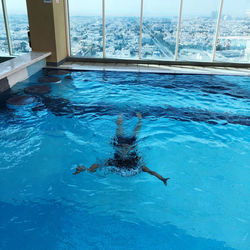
(64, 107)
(207, 84)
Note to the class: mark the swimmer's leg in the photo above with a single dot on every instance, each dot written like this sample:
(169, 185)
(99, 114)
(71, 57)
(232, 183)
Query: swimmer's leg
(80, 169)
(119, 129)
(93, 168)
(164, 180)
(138, 126)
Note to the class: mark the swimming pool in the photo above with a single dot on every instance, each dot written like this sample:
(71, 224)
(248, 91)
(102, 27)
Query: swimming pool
(195, 130)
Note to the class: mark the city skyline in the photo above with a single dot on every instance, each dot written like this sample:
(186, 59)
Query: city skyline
(158, 37)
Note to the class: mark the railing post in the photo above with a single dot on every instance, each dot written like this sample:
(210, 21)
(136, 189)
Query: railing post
(178, 32)
(68, 35)
(6, 22)
(217, 31)
(141, 21)
(103, 30)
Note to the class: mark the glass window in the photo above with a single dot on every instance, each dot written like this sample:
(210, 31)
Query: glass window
(18, 25)
(198, 28)
(3, 39)
(234, 38)
(159, 29)
(160, 19)
(86, 27)
(122, 28)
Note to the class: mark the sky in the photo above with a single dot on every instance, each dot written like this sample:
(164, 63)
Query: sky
(157, 7)
(151, 7)
(16, 6)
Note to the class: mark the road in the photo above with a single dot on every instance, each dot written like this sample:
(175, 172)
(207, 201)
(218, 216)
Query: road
(164, 50)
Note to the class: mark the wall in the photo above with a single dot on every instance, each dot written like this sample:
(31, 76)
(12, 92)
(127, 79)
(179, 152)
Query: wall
(47, 28)
(60, 30)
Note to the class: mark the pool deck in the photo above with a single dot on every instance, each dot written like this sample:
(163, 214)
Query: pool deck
(199, 70)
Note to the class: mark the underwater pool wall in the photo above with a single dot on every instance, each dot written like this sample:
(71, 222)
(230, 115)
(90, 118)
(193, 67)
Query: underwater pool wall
(21, 68)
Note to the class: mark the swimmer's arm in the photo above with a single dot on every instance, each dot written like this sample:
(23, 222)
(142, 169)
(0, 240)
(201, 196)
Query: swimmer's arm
(138, 126)
(91, 169)
(164, 180)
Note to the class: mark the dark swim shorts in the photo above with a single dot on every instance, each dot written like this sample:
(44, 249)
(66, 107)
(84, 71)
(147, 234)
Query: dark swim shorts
(126, 165)
(129, 161)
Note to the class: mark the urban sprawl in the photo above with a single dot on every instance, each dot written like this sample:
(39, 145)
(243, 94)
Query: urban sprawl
(196, 40)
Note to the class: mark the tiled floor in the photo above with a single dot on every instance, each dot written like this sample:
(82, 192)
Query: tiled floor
(155, 68)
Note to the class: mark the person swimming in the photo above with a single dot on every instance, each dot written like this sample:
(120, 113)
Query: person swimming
(125, 161)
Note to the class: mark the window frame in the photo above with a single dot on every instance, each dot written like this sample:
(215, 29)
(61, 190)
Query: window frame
(175, 61)
(7, 28)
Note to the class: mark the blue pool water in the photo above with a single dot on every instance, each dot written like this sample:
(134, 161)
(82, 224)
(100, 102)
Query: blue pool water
(195, 130)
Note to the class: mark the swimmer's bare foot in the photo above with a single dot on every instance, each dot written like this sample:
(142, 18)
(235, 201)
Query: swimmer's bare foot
(79, 169)
(119, 120)
(139, 116)
(165, 181)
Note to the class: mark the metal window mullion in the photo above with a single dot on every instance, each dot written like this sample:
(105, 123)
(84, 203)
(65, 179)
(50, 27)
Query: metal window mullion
(103, 30)
(178, 32)
(68, 34)
(6, 22)
(217, 31)
(141, 21)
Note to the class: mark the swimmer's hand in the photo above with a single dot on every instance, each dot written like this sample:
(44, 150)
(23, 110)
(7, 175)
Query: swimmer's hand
(139, 116)
(165, 181)
(79, 169)
(119, 120)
